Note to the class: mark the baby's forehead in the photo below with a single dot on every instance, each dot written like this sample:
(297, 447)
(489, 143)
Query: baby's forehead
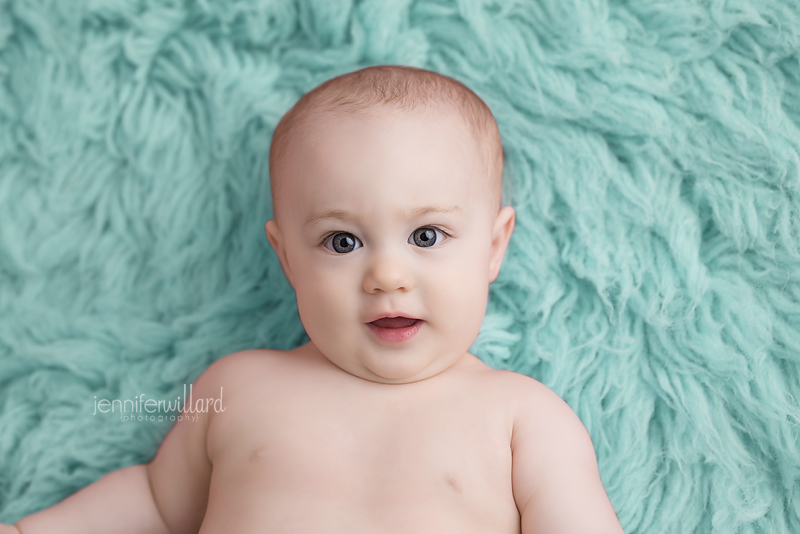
(447, 135)
(410, 141)
(326, 136)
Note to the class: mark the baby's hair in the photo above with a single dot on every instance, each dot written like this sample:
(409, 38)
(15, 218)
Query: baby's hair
(390, 87)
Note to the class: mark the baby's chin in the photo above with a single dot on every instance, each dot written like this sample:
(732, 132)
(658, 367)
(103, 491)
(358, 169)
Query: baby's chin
(388, 366)
(399, 370)
(394, 376)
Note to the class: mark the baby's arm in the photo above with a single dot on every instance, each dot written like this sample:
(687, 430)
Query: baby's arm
(555, 478)
(119, 502)
(166, 496)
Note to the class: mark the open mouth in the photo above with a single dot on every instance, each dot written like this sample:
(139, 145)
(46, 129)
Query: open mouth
(395, 329)
(394, 322)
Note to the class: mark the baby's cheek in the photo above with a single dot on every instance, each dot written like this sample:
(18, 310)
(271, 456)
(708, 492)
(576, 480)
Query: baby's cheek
(453, 291)
(328, 295)
(466, 292)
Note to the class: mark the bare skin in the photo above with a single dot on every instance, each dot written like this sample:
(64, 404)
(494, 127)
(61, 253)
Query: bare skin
(372, 457)
(303, 447)
(351, 433)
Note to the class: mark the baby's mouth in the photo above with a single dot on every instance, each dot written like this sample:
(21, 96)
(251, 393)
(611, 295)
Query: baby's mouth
(394, 322)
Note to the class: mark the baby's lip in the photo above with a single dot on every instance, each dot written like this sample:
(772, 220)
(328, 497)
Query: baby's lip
(393, 314)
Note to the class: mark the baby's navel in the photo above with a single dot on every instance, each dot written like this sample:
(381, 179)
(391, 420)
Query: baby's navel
(454, 483)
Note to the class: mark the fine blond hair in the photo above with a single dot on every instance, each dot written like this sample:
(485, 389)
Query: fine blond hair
(390, 87)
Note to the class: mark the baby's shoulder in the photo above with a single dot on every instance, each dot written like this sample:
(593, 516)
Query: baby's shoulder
(242, 361)
(236, 370)
(515, 387)
(532, 404)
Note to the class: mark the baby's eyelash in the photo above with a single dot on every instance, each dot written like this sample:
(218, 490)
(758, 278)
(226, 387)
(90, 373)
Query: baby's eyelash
(442, 230)
(328, 236)
(438, 228)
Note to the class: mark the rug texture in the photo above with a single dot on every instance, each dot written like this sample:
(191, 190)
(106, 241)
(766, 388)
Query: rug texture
(653, 279)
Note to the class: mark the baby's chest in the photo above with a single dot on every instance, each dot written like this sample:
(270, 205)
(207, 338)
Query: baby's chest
(374, 450)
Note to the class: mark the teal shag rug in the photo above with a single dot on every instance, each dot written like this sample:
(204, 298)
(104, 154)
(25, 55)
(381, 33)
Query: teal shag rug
(653, 280)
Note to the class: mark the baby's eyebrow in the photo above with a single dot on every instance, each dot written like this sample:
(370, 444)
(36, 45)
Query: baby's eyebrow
(343, 215)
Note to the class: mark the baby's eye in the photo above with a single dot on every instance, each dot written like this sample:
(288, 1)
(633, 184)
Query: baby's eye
(426, 236)
(343, 242)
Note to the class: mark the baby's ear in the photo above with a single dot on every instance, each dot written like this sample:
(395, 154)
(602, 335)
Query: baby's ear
(276, 240)
(501, 233)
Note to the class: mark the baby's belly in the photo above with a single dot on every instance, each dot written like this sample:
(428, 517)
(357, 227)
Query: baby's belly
(312, 496)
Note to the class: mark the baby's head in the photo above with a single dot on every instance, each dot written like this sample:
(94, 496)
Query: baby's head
(387, 189)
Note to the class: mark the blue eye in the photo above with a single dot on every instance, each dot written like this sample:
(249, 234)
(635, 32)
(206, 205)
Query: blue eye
(343, 242)
(425, 236)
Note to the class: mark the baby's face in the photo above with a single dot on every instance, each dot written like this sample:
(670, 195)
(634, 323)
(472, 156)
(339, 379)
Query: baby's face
(389, 216)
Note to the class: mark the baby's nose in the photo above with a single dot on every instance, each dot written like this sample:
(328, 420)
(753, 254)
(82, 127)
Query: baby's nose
(388, 273)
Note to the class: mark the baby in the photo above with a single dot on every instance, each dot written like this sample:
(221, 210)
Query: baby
(387, 188)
